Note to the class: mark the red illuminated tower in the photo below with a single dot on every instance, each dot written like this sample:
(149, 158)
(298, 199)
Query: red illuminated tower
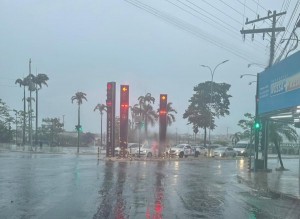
(124, 106)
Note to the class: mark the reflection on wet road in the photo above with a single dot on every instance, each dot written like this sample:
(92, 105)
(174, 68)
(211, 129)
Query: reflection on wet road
(68, 186)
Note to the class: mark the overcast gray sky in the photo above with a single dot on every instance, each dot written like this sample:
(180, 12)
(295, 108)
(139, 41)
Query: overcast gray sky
(82, 45)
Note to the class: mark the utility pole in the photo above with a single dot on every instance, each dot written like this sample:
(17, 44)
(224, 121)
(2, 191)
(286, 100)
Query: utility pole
(273, 17)
(270, 31)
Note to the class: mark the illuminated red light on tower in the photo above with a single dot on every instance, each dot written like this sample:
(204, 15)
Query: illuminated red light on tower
(163, 112)
(124, 89)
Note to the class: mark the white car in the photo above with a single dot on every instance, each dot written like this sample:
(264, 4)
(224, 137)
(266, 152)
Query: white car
(145, 150)
(182, 150)
(200, 150)
(224, 152)
(242, 148)
(131, 147)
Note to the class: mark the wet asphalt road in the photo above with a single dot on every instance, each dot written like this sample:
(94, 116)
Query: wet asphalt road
(70, 186)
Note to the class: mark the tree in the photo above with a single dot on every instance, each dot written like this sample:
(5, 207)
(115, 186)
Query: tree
(51, 127)
(24, 84)
(170, 115)
(78, 97)
(102, 108)
(236, 137)
(149, 116)
(206, 106)
(247, 126)
(39, 80)
(278, 130)
(135, 112)
(29, 112)
(31, 87)
(5, 123)
(88, 138)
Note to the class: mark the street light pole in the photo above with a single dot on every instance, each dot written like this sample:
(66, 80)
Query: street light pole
(212, 73)
(256, 132)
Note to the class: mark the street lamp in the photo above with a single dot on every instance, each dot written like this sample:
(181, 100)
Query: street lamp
(212, 73)
(251, 82)
(256, 137)
(247, 75)
(257, 64)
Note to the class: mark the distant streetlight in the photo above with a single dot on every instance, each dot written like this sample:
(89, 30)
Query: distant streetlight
(257, 64)
(256, 139)
(212, 73)
(251, 82)
(247, 75)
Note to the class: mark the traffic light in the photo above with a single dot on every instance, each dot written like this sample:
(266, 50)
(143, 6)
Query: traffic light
(124, 107)
(257, 125)
(78, 128)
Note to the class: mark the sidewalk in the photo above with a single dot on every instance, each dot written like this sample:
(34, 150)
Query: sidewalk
(278, 183)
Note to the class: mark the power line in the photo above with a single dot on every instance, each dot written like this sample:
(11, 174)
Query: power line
(217, 10)
(284, 34)
(187, 27)
(200, 14)
(231, 8)
(272, 30)
(257, 2)
(236, 30)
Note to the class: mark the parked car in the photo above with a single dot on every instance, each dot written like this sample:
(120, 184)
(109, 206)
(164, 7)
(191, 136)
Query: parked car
(210, 149)
(182, 150)
(145, 150)
(224, 152)
(242, 148)
(199, 150)
(130, 149)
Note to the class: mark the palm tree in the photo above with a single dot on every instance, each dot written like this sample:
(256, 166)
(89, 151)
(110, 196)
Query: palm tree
(79, 97)
(135, 112)
(102, 108)
(146, 111)
(31, 87)
(170, 116)
(150, 117)
(23, 83)
(38, 80)
(147, 99)
(236, 137)
(277, 131)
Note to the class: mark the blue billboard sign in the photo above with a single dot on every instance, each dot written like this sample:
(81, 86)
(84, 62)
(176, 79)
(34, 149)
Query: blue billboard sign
(279, 85)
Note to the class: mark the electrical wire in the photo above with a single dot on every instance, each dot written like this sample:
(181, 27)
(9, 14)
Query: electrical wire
(188, 28)
(235, 30)
(237, 21)
(284, 34)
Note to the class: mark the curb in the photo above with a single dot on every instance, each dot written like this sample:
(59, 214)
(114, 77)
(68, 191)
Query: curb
(271, 192)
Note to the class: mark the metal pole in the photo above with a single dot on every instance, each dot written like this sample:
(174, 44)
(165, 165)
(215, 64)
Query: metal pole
(210, 118)
(16, 127)
(256, 140)
(211, 82)
(78, 134)
(101, 130)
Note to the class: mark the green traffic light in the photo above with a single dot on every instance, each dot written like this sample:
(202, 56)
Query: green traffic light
(257, 125)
